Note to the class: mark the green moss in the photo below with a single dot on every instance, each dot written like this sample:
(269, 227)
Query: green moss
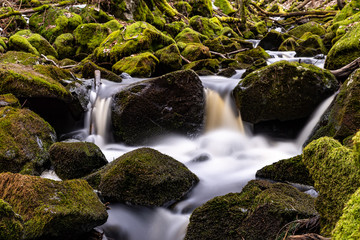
(3, 41)
(42, 45)
(141, 65)
(9, 100)
(189, 35)
(11, 224)
(210, 27)
(174, 28)
(196, 51)
(53, 72)
(225, 6)
(248, 57)
(350, 9)
(19, 57)
(91, 15)
(20, 43)
(183, 8)
(310, 45)
(169, 58)
(261, 27)
(113, 25)
(289, 44)
(90, 35)
(201, 7)
(332, 167)
(356, 143)
(205, 64)
(228, 32)
(88, 68)
(312, 27)
(65, 45)
(225, 44)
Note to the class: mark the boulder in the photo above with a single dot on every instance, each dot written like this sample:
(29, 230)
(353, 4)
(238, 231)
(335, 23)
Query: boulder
(211, 65)
(141, 65)
(227, 72)
(174, 28)
(183, 7)
(310, 45)
(210, 27)
(196, 51)
(20, 43)
(248, 57)
(283, 91)
(25, 139)
(11, 224)
(171, 103)
(224, 44)
(88, 68)
(144, 177)
(201, 7)
(169, 59)
(272, 41)
(255, 66)
(65, 46)
(225, 6)
(9, 100)
(189, 35)
(289, 44)
(76, 159)
(90, 14)
(336, 177)
(258, 212)
(23, 58)
(312, 27)
(52, 210)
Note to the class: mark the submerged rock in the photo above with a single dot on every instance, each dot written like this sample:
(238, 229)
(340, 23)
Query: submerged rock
(258, 212)
(76, 159)
(144, 177)
(11, 224)
(171, 103)
(283, 91)
(52, 209)
(24, 141)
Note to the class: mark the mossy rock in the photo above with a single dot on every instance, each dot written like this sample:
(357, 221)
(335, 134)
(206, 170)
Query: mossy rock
(356, 143)
(225, 44)
(90, 14)
(210, 27)
(258, 212)
(288, 170)
(225, 6)
(205, 64)
(289, 44)
(65, 45)
(19, 57)
(196, 51)
(55, 73)
(261, 28)
(201, 7)
(9, 100)
(76, 159)
(25, 139)
(283, 91)
(174, 28)
(88, 68)
(272, 41)
(20, 43)
(189, 35)
(247, 58)
(141, 65)
(345, 50)
(310, 45)
(169, 59)
(146, 177)
(11, 224)
(90, 35)
(312, 27)
(53, 22)
(171, 103)
(342, 119)
(183, 7)
(253, 67)
(228, 32)
(138, 37)
(17, 21)
(349, 9)
(227, 72)
(333, 169)
(52, 209)
(3, 41)
(113, 25)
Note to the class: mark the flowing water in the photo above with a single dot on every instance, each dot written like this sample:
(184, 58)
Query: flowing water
(224, 157)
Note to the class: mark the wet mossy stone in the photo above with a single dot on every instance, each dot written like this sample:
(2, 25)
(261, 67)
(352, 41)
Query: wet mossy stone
(25, 139)
(9, 100)
(53, 22)
(345, 50)
(289, 44)
(146, 177)
(204, 64)
(342, 119)
(141, 65)
(169, 59)
(291, 170)
(310, 45)
(255, 66)
(201, 7)
(272, 41)
(65, 45)
(312, 27)
(53, 209)
(138, 37)
(171, 103)
(88, 68)
(258, 212)
(283, 91)
(183, 7)
(225, 44)
(174, 28)
(247, 58)
(225, 6)
(210, 27)
(227, 72)
(11, 224)
(19, 57)
(336, 176)
(196, 51)
(189, 35)
(76, 159)
(20, 43)
(90, 35)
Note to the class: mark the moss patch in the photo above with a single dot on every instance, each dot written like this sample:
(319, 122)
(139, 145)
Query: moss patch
(11, 224)
(9, 100)
(210, 27)
(65, 45)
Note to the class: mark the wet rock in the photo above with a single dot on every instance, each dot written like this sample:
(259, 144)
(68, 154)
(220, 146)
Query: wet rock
(76, 159)
(283, 91)
(52, 209)
(88, 68)
(9, 100)
(227, 72)
(171, 103)
(11, 224)
(24, 140)
(255, 66)
(247, 58)
(144, 177)
(272, 41)
(258, 212)
(211, 65)
(225, 44)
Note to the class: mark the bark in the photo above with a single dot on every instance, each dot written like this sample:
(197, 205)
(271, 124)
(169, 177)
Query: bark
(344, 72)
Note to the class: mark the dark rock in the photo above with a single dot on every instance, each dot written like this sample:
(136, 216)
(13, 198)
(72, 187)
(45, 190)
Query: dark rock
(227, 72)
(272, 41)
(205, 64)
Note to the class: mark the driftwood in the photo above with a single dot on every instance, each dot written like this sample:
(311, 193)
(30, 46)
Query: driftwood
(309, 236)
(345, 71)
(183, 58)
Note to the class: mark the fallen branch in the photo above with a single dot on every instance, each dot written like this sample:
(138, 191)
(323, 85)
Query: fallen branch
(219, 54)
(237, 51)
(183, 58)
(309, 236)
(49, 60)
(346, 70)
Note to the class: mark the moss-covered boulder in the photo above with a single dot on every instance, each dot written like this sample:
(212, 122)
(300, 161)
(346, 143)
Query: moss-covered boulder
(210, 27)
(174, 28)
(3, 45)
(138, 37)
(312, 27)
(25, 139)
(52, 209)
(283, 91)
(53, 22)
(211, 65)
(272, 40)
(11, 224)
(227, 72)
(171, 103)
(351, 8)
(261, 28)
(23, 58)
(258, 212)
(196, 51)
(225, 6)
(253, 67)
(141, 65)
(9, 100)
(145, 177)
(65, 45)
(224, 44)
(310, 45)
(90, 14)
(201, 7)
(247, 58)
(342, 119)
(183, 7)
(169, 59)
(336, 177)
(89, 36)
(20, 43)
(88, 68)
(288, 170)
(189, 35)
(345, 50)
(289, 44)
(76, 159)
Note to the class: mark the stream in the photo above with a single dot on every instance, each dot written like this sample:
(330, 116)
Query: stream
(224, 157)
